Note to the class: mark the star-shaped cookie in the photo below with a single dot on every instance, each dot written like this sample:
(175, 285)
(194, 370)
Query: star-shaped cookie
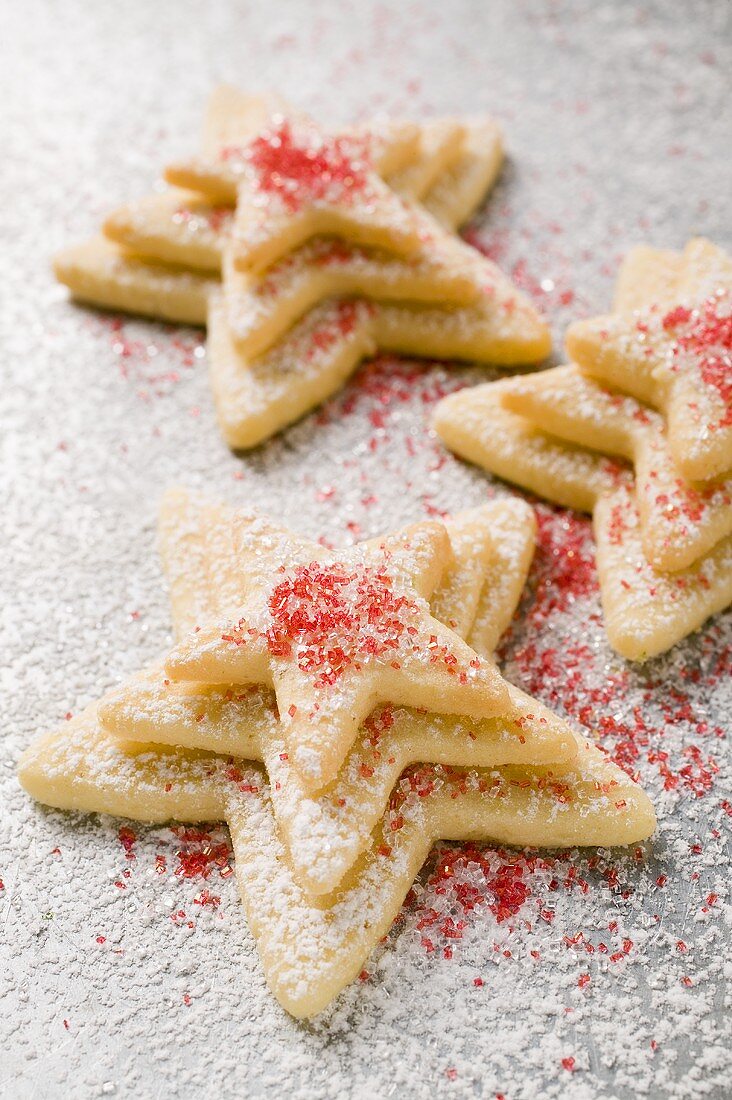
(646, 611)
(295, 182)
(185, 228)
(679, 520)
(233, 118)
(335, 633)
(325, 832)
(312, 947)
(676, 356)
(258, 396)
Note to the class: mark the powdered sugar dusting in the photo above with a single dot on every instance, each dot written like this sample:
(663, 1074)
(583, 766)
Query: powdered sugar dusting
(186, 1008)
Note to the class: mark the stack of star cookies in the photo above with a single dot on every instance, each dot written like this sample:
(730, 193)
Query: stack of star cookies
(341, 710)
(305, 251)
(637, 429)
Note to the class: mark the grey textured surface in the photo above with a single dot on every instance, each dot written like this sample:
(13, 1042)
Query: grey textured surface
(617, 119)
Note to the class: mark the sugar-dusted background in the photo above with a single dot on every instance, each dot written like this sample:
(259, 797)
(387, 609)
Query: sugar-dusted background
(617, 122)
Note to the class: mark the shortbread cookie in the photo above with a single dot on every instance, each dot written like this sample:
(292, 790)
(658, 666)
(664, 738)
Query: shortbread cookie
(458, 192)
(391, 145)
(175, 227)
(677, 357)
(101, 274)
(265, 375)
(326, 832)
(335, 635)
(256, 397)
(185, 228)
(312, 947)
(233, 117)
(658, 609)
(679, 520)
(646, 611)
(296, 183)
(260, 311)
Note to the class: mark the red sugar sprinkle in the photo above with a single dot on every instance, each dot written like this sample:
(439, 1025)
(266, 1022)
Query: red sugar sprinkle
(139, 361)
(206, 899)
(568, 1064)
(298, 172)
(200, 854)
(564, 565)
(333, 617)
(496, 880)
(338, 324)
(388, 383)
(705, 334)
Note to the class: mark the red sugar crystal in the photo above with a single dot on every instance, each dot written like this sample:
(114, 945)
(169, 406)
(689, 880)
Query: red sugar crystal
(337, 325)
(299, 172)
(564, 566)
(705, 334)
(335, 616)
(200, 854)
